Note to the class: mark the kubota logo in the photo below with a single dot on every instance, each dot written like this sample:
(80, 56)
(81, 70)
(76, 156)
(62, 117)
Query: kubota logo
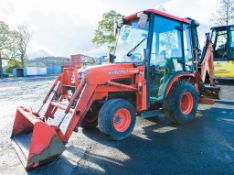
(117, 72)
(120, 72)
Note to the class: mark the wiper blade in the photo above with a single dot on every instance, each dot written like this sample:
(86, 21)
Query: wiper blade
(135, 47)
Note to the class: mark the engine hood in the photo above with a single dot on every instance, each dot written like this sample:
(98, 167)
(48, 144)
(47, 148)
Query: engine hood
(102, 73)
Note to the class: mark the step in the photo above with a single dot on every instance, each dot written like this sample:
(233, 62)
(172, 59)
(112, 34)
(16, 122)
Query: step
(150, 114)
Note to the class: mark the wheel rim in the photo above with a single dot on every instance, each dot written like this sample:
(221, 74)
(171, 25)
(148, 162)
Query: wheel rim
(186, 103)
(122, 120)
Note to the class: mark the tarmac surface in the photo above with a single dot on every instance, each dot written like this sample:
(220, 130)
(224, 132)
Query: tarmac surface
(204, 146)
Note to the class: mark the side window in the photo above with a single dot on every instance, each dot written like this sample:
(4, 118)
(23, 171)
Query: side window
(166, 45)
(188, 49)
(221, 45)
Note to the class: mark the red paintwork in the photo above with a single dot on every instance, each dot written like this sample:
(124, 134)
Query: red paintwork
(160, 13)
(21, 121)
(122, 120)
(186, 103)
(176, 78)
(41, 138)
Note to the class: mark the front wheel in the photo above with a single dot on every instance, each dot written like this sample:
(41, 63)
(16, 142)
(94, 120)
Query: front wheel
(117, 118)
(182, 102)
(90, 120)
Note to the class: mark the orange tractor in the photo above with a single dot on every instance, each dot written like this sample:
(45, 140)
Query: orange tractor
(156, 67)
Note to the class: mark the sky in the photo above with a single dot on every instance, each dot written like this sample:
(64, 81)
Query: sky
(66, 27)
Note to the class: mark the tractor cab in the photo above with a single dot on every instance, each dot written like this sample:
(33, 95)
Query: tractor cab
(223, 45)
(167, 42)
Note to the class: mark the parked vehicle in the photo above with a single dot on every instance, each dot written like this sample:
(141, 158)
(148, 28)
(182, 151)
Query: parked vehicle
(155, 69)
(223, 45)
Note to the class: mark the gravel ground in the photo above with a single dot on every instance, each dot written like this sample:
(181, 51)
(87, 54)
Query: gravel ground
(205, 146)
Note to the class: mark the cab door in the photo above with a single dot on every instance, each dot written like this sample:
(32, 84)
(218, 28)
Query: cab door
(166, 56)
(223, 53)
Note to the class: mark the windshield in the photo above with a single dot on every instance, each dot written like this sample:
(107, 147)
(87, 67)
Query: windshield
(132, 41)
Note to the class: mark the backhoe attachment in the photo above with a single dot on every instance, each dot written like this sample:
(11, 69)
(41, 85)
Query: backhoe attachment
(205, 69)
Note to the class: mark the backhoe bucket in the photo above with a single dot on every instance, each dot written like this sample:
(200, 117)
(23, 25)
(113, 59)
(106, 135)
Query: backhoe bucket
(35, 141)
(213, 92)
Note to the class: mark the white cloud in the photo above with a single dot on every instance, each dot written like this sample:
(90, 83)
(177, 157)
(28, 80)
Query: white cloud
(65, 27)
(200, 10)
(60, 27)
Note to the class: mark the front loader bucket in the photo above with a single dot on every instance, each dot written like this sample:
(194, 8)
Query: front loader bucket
(35, 141)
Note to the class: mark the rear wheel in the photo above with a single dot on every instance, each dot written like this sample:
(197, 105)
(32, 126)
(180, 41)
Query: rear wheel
(117, 118)
(182, 102)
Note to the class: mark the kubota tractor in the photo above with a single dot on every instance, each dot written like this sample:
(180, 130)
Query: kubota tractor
(156, 67)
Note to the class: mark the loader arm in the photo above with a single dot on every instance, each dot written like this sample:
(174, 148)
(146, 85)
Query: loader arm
(84, 100)
(37, 141)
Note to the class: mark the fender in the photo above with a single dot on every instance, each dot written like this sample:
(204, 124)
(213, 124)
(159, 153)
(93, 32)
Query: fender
(175, 78)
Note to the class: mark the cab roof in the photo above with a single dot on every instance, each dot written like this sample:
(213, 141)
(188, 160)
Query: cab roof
(159, 13)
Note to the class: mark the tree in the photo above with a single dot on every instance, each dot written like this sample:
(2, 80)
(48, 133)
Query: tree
(13, 63)
(105, 31)
(13, 49)
(225, 13)
(5, 43)
(13, 45)
(24, 37)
